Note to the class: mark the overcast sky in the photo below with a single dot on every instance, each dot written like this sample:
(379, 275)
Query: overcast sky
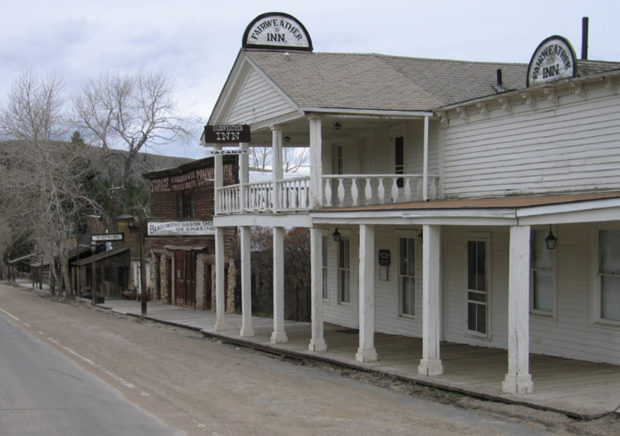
(196, 41)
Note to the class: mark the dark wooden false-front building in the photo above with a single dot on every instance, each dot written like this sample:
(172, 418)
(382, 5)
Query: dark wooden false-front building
(180, 241)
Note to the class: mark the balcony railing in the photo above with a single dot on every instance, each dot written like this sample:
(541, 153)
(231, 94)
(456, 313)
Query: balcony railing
(343, 190)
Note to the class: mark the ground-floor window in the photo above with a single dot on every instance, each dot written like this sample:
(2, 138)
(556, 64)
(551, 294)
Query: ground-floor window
(609, 274)
(344, 270)
(542, 276)
(477, 285)
(324, 265)
(406, 276)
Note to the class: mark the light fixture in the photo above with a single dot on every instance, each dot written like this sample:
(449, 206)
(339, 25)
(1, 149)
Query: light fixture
(551, 241)
(337, 126)
(420, 238)
(336, 236)
(287, 139)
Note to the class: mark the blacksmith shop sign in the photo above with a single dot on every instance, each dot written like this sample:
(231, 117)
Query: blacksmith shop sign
(553, 59)
(226, 134)
(180, 228)
(277, 30)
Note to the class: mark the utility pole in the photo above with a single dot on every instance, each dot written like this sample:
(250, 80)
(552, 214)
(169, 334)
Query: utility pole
(144, 293)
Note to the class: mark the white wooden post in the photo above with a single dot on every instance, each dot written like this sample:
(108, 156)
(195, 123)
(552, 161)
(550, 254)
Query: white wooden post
(430, 364)
(218, 175)
(276, 166)
(246, 283)
(317, 342)
(244, 176)
(425, 164)
(278, 336)
(366, 351)
(518, 379)
(220, 292)
(316, 165)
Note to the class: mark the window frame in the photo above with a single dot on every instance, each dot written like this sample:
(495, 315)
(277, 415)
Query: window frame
(541, 312)
(596, 314)
(344, 269)
(413, 237)
(486, 238)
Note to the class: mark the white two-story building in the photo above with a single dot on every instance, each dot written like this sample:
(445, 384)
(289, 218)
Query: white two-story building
(469, 202)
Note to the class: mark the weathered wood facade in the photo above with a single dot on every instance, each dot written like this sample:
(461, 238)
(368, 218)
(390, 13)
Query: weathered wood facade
(180, 242)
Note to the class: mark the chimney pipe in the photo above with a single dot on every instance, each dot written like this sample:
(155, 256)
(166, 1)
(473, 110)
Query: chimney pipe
(584, 38)
(499, 77)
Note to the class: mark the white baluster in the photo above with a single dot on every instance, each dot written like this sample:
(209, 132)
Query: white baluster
(354, 192)
(340, 191)
(368, 190)
(328, 193)
(395, 189)
(381, 190)
(407, 189)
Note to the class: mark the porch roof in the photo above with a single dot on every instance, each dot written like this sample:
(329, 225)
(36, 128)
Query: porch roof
(511, 202)
(99, 256)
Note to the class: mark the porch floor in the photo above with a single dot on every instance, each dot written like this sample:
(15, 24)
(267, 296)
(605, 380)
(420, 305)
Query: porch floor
(573, 387)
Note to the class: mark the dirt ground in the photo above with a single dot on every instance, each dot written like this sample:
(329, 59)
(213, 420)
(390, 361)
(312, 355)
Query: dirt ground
(203, 386)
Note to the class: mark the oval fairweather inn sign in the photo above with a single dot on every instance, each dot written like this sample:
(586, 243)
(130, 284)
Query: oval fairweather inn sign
(553, 59)
(277, 30)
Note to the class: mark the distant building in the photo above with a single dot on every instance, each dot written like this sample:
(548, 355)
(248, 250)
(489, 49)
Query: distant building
(180, 241)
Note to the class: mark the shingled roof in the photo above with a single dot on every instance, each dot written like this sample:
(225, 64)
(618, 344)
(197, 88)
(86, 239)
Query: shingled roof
(390, 83)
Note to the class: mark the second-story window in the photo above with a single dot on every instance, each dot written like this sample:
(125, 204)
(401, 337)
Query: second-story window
(399, 159)
(185, 205)
(339, 162)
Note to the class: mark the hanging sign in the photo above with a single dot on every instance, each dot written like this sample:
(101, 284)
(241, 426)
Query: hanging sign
(180, 228)
(553, 59)
(277, 30)
(107, 237)
(226, 134)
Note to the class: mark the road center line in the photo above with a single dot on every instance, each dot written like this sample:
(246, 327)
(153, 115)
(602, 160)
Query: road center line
(8, 314)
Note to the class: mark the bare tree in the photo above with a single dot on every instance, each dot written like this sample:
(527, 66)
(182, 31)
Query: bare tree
(293, 158)
(128, 112)
(41, 178)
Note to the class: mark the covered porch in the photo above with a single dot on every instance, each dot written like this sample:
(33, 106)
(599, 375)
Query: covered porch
(576, 388)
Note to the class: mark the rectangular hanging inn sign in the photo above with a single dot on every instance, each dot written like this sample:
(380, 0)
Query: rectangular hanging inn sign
(226, 134)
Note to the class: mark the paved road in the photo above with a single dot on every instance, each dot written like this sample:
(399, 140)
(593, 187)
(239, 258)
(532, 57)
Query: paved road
(204, 387)
(42, 392)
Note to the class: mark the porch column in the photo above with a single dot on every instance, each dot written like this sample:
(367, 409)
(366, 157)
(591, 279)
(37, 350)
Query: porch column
(317, 342)
(218, 175)
(276, 164)
(316, 164)
(425, 162)
(220, 292)
(430, 364)
(244, 176)
(278, 336)
(366, 351)
(518, 379)
(246, 283)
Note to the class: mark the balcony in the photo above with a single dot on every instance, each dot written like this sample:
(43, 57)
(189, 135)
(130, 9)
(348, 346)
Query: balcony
(343, 190)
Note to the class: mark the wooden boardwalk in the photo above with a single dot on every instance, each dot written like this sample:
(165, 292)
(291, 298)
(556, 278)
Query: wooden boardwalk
(573, 387)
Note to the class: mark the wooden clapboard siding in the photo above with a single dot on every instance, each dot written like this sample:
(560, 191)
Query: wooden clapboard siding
(257, 100)
(387, 296)
(571, 333)
(546, 149)
(344, 314)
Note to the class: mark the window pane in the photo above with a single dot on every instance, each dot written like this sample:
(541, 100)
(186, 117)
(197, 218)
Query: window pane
(609, 251)
(543, 290)
(471, 265)
(481, 324)
(477, 296)
(471, 316)
(541, 256)
(610, 298)
(481, 265)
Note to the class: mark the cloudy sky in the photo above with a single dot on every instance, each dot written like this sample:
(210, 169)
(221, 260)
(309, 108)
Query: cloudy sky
(196, 41)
